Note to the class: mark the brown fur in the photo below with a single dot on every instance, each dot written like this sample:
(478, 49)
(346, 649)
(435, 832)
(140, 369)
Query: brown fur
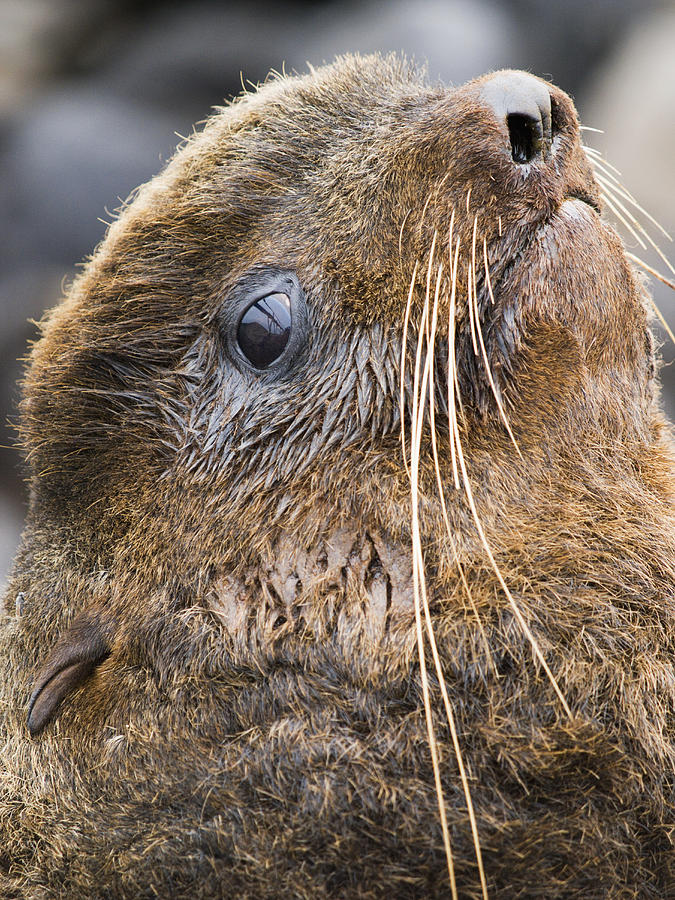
(225, 557)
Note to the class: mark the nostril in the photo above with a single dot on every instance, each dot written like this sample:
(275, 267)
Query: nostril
(523, 103)
(526, 135)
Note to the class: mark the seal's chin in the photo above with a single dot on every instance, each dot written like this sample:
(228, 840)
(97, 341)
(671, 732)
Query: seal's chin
(551, 279)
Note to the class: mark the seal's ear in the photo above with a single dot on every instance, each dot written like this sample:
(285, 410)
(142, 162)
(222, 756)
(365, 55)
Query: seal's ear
(77, 653)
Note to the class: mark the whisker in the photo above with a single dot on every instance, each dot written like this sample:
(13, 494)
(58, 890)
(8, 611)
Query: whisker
(473, 295)
(452, 367)
(419, 400)
(422, 331)
(400, 233)
(432, 193)
(431, 337)
(599, 159)
(615, 200)
(446, 519)
(488, 281)
(428, 378)
(486, 363)
(472, 327)
(458, 406)
(455, 737)
(404, 345)
(437, 468)
(455, 554)
(666, 281)
(424, 209)
(623, 219)
(614, 192)
(471, 286)
(428, 290)
(617, 188)
(652, 271)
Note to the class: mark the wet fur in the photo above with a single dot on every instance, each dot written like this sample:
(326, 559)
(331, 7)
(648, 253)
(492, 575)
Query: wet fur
(236, 548)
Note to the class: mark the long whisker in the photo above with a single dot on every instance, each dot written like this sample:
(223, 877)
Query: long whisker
(471, 287)
(602, 165)
(613, 191)
(419, 400)
(428, 377)
(433, 192)
(627, 224)
(488, 280)
(452, 367)
(666, 281)
(434, 446)
(400, 234)
(404, 346)
(604, 169)
(652, 271)
(615, 202)
(455, 554)
(613, 184)
(598, 158)
(424, 210)
(486, 363)
(428, 288)
(458, 406)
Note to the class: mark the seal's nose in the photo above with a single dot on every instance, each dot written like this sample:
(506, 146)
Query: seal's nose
(523, 103)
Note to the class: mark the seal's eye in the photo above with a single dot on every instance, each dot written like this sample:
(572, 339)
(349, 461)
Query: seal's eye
(264, 323)
(264, 329)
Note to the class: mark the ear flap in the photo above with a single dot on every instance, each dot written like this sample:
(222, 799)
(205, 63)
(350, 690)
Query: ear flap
(77, 653)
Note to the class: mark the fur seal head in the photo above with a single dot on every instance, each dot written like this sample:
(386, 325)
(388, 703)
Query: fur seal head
(344, 446)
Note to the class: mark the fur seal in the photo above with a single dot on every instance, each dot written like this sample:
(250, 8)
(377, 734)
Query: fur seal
(349, 569)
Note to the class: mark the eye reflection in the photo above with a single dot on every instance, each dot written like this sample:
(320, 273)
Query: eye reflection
(264, 329)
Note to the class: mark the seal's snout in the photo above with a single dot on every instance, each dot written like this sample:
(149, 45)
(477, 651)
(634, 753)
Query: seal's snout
(523, 103)
(525, 140)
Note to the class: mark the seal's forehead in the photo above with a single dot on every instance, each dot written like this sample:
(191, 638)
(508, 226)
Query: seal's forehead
(292, 125)
(293, 167)
(347, 92)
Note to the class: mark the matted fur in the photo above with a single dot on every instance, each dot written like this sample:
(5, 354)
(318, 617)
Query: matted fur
(239, 544)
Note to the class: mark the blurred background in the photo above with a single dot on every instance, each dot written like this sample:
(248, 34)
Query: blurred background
(94, 94)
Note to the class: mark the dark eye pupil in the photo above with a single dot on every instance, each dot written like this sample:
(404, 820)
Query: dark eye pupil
(264, 330)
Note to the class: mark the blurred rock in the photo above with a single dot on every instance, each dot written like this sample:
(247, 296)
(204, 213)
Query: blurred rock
(633, 101)
(37, 39)
(568, 40)
(71, 157)
(459, 39)
(210, 50)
